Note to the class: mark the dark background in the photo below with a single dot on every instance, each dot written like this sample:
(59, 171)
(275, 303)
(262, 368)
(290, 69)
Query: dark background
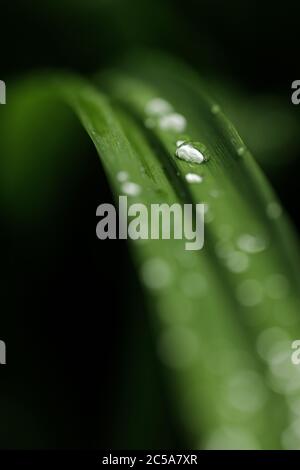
(79, 355)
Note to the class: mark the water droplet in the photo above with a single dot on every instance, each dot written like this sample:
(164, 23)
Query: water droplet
(122, 176)
(131, 189)
(156, 273)
(189, 153)
(215, 109)
(193, 285)
(241, 151)
(172, 122)
(158, 107)
(178, 347)
(193, 178)
(274, 210)
(249, 293)
(277, 286)
(251, 244)
(237, 262)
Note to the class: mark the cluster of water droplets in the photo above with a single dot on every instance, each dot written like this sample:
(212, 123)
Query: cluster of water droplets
(160, 113)
(128, 187)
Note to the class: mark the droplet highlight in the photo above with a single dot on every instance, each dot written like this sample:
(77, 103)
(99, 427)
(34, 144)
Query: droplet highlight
(193, 178)
(174, 122)
(122, 176)
(158, 107)
(189, 153)
(131, 189)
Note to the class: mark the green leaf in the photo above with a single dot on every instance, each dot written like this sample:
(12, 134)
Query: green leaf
(224, 317)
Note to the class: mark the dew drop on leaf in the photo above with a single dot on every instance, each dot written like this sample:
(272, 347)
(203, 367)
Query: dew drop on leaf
(131, 189)
(172, 122)
(193, 178)
(189, 153)
(158, 107)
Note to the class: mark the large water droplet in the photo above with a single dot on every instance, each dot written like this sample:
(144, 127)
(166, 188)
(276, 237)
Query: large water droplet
(188, 152)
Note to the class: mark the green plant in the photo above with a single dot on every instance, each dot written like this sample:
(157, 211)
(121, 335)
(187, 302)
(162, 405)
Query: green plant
(223, 318)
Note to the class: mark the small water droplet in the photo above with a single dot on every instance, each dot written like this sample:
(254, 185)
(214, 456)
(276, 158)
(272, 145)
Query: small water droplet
(249, 293)
(131, 189)
(158, 107)
(189, 153)
(193, 178)
(251, 244)
(122, 176)
(274, 210)
(215, 109)
(156, 273)
(172, 122)
(241, 151)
